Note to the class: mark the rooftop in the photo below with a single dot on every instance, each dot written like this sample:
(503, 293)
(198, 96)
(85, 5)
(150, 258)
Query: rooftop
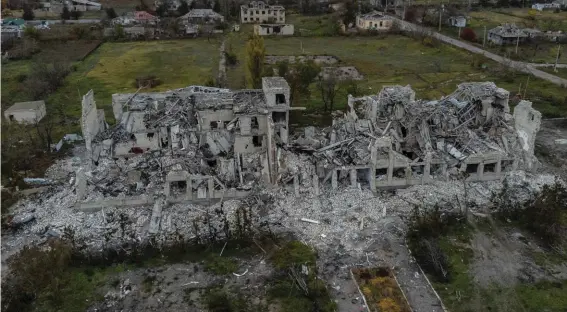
(508, 30)
(33, 105)
(375, 15)
(274, 82)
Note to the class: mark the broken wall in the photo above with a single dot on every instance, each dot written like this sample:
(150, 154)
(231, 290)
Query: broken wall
(90, 123)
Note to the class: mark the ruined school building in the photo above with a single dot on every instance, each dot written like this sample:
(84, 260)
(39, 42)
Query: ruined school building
(200, 143)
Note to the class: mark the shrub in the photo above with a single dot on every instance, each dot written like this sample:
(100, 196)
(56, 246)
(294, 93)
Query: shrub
(31, 32)
(428, 41)
(28, 13)
(65, 14)
(76, 14)
(220, 265)
(24, 49)
(80, 32)
(110, 13)
(231, 58)
(468, 34)
(294, 254)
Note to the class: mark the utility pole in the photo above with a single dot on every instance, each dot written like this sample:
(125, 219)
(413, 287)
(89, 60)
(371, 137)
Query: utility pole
(440, 15)
(459, 31)
(484, 37)
(517, 43)
(557, 58)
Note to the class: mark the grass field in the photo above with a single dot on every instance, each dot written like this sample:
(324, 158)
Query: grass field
(114, 67)
(431, 71)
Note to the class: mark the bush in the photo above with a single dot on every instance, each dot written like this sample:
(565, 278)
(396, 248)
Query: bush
(33, 270)
(545, 215)
(24, 49)
(110, 13)
(468, 34)
(80, 32)
(231, 58)
(220, 265)
(76, 14)
(428, 41)
(65, 14)
(28, 14)
(31, 32)
(45, 78)
(294, 254)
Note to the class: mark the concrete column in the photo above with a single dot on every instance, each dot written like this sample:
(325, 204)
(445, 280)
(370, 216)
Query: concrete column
(80, 185)
(444, 172)
(316, 184)
(427, 169)
(211, 185)
(353, 175)
(372, 180)
(333, 137)
(498, 168)
(480, 171)
(390, 166)
(296, 185)
(189, 193)
(515, 164)
(334, 182)
(167, 189)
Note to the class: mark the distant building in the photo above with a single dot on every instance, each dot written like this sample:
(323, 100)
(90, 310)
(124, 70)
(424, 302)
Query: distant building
(143, 17)
(14, 22)
(26, 112)
(83, 5)
(506, 34)
(273, 29)
(259, 12)
(10, 33)
(458, 21)
(374, 21)
(201, 16)
(546, 6)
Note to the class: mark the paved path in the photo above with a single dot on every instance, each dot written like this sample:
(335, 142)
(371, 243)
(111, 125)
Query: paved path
(521, 66)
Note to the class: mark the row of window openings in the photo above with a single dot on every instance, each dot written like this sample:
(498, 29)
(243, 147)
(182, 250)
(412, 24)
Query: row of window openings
(258, 19)
(253, 123)
(263, 12)
(436, 169)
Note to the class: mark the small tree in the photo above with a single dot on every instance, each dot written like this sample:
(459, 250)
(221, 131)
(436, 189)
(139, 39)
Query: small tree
(76, 14)
(217, 6)
(28, 13)
(255, 54)
(327, 84)
(31, 32)
(161, 10)
(468, 34)
(110, 13)
(66, 14)
(349, 15)
(411, 14)
(183, 8)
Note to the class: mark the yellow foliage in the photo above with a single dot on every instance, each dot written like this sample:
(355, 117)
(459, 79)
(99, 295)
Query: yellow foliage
(388, 305)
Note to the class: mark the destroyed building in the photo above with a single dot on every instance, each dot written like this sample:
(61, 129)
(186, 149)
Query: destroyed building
(199, 143)
(392, 140)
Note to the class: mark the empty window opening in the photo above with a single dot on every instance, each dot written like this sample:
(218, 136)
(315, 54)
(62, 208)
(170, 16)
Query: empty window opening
(212, 163)
(436, 169)
(381, 173)
(263, 12)
(399, 173)
(362, 176)
(136, 150)
(150, 135)
(133, 137)
(164, 142)
(280, 99)
(490, 167)
(214, 125)
(225, 124)
(417, 170)
(246, 19)
(409, 154)
(96, 163)
(11, 117)
(277, 29)
(380, 24)
(507, 165)
(257, 141)
(472, 168)
(278, 117)
(404, 132)
(254, 122)
(179, 186)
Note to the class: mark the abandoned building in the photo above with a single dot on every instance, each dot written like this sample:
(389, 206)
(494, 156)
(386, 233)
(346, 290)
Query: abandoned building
(201, 16)
(457, 21)
(202, 144)
(260, 12)
(26, 112)
(205, 141)
(273, 29)
(506, 34)
(374, 21)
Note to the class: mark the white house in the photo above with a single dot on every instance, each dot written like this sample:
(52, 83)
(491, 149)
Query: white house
(273, 29)
(26, 112)
(546, 6)
(374, 21)
(458, 21)
(260, 12)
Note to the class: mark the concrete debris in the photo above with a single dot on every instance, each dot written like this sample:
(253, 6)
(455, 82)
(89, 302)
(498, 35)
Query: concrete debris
(189, 162)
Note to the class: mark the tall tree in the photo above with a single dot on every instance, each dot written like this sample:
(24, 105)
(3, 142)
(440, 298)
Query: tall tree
(255, 54)
(217, 6)
(349, 16)
(28, 13)
(328, 86)
(183, 8)
(110, 13)
(66, 14)
(76, 14)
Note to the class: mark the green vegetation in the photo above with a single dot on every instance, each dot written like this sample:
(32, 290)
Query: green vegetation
(220, 265)
(432, 71)
(216, 299)
(314, 26)
(295, 286)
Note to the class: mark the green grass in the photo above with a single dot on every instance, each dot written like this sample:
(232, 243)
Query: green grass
(81, 287)
(431, 71)
(319, 25)
(114, 67)
(462, 294)
(561, 72)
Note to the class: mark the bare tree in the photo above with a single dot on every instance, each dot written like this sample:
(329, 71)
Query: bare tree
(328, 86)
